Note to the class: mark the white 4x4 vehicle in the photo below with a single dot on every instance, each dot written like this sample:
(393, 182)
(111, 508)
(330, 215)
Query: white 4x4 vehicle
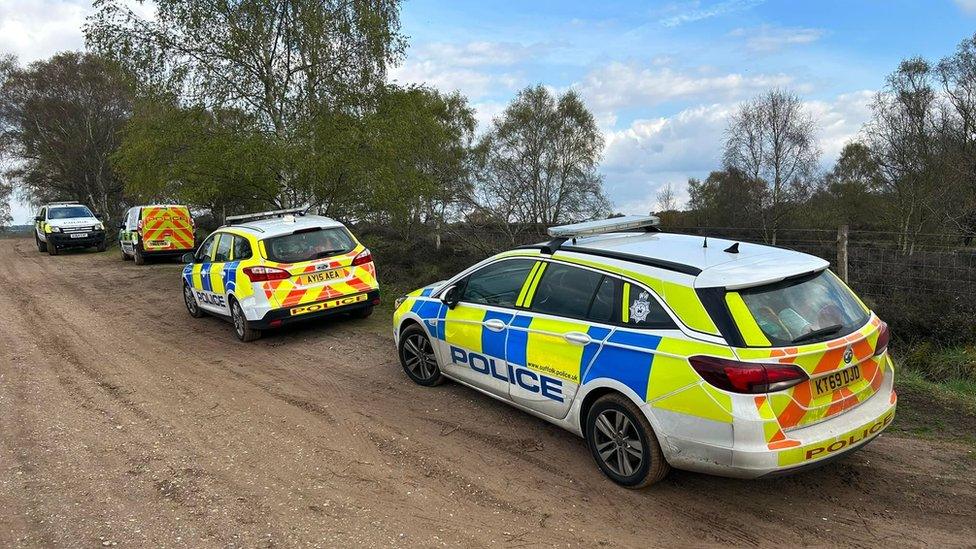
(61, 225)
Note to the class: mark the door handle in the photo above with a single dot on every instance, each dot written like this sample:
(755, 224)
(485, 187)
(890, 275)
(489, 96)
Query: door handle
(495, 325)
(578, 338)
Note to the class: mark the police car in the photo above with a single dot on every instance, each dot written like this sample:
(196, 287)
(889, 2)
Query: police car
(60, 225)
(273, 268)
(662, 350)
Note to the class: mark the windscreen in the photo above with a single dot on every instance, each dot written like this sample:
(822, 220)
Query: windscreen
(807, 310)
(309, 245)
(67, 212)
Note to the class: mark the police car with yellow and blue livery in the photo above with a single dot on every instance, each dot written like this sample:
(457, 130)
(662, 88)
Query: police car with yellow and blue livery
(662, 350)
(268, 269)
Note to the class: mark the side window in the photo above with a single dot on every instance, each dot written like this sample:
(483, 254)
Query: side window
(569, 291)
(604, 301)
(133, 220)
(497, 284)
(242, 249)
(223, 248)
(641, 310)
(204, 252)
(43, 213)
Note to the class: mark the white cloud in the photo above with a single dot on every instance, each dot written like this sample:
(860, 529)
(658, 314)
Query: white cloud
(477, 69)
(620, 85)
(968, 6)
(649, 153)
(36, 29)
(694, 12)
(769, 39)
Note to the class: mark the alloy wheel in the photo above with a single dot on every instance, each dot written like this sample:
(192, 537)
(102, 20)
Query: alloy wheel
(418, 356)
(618, 443)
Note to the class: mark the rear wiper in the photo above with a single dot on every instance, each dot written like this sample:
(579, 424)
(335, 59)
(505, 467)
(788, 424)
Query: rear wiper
(832, 329)
(327, 253)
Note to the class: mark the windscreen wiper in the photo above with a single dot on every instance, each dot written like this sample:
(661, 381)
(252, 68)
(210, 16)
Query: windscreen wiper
(327, 253)
(832, 329)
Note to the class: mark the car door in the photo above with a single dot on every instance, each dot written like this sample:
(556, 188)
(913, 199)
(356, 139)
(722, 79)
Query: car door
(202, 279)
(475, 330)
(223, 250)
(39, 224)
(566, 317)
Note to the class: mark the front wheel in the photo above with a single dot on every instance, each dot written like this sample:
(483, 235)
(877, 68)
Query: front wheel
(191, 302)
(417, 357)
(623, 443)
(242, 328)
(52, 248)
(41, 246)
(102, 246)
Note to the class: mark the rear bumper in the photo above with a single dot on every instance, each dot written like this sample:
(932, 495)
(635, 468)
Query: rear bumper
(310, 311)
(806, 447)
(64, 240)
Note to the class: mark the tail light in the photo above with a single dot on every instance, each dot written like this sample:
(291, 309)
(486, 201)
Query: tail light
(363, 258)
(139, 225)
(884, 335)
(263, 274)
(747, 377)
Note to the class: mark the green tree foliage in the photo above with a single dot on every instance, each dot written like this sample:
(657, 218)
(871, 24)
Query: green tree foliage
(850, 194)
(727, 198)
(60, 122)
(257, 76)
(538, 163)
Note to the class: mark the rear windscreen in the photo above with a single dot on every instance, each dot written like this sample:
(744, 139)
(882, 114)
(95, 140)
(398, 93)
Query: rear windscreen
(306, 246)
(806, 310)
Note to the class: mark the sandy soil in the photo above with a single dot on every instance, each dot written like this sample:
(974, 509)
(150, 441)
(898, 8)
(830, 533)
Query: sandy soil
(125, 422)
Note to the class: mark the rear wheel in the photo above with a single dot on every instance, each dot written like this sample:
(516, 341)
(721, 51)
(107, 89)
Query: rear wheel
(137, 255)
(417, 357)
(362, 312)
(623, 443)
(242, 328)
(191, 302)
(41, 246)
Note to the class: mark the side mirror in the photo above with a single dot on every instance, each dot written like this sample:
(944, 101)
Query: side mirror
(451, 297)
(189, 257)
(38, 218)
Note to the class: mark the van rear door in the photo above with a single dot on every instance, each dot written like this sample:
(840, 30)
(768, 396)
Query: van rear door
(166, 228)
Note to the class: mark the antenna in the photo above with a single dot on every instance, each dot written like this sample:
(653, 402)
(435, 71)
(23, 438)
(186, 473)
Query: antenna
(705, 244)
(733, 249)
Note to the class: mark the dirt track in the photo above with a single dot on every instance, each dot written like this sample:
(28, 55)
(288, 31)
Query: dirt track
(123, 420)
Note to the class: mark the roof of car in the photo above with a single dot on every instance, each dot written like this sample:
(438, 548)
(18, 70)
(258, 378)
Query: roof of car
(277, 226)
(712, 266)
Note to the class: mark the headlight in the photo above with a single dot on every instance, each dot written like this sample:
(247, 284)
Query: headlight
(98, 227)
(399, 301)
(55, 229)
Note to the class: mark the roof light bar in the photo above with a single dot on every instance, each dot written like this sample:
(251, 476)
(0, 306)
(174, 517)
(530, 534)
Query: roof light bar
(266, 215)
(64, 203)
(602, 226)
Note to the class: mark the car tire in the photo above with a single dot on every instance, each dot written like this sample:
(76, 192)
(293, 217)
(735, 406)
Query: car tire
(41, 246)
(125, 256)
(101, 246)
(190, 301)
(623, 443)
(242, 328)
(137, 255)
(52, 248)
(362, 312)
(417, 357)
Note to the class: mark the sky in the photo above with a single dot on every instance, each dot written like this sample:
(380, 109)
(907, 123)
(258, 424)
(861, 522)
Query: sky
(660, 77)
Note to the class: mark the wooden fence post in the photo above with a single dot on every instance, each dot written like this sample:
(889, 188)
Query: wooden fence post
(842, 252)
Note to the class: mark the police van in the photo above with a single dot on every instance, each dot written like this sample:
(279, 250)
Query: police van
(273, 268)
(662, 350)
(60, 225)
(156, 230)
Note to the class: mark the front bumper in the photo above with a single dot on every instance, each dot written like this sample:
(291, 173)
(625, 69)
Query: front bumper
(309, 311)
(807, 447)
(65, 240)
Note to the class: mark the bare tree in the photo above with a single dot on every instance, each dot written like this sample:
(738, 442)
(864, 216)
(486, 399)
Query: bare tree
(773, 139)
(667, 198)
(537, 165)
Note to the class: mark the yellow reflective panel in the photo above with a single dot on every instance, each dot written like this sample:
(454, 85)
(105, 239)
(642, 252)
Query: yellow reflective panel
(525, 285)
(685, 303)
(699, 401)
(549, 353)
(462, 327)
(534, 283)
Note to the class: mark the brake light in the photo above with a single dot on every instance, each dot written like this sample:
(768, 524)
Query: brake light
(263, 274)
(747, 377)
(884, 335)
(363, 258)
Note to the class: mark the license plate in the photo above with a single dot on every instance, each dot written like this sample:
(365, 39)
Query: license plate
(829, 383)
(79, 235)
(324, 276)
(330, 304)
(159, 243)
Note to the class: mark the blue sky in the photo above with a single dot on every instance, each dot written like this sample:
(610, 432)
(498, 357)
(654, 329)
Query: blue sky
(661, 77)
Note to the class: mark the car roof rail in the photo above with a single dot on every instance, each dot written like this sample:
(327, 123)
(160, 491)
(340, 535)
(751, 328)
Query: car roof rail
(266, 215)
